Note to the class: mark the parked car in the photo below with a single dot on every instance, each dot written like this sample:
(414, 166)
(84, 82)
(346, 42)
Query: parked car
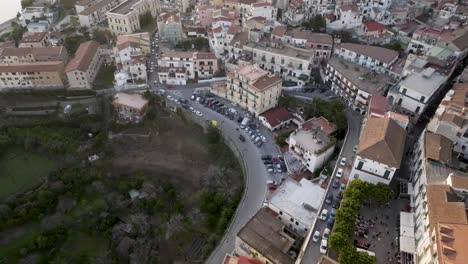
(272, 182)
(336, 183)
(343, 161)
(339, 173)
(324, 214)
(333, 212)
(343, 185)
(266, 157)
(355, 148)
(239, 119)
(272, 187)
(336, 204)
(242, 138)
(324, 246)
(267, 162)
(330, 222)
(329, 199)
(316, 236)
(326, 233)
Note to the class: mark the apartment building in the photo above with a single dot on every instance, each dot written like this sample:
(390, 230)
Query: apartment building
(83, 68)
(297, 205)
(348, 16)
(265, 237)
(170, 27)
(125, 18)
(32, 75)
(423, 40)
(92, 13)
(296, 13)
(313, 143)
(354, 83)
(253, 89)
(130, 107)
(437, 223)
(204, 14)
(262, 9)
(380, 151)
(450, 118)
(240, 6)
(178, 67)
(25, 55)
(416, 92)
(34, 40)
(130, 58)
(372, 57)
(142, 40)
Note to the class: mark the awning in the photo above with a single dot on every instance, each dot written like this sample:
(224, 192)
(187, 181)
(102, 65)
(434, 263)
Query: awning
(407, 240)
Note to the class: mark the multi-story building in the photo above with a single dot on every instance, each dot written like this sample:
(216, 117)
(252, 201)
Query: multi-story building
(34, 40)
(178, 67)
(380, 151)
(170, 27)
(297, 204)
(416, 92)
(423, 40)
(83, 68)
(450, 119)
(347, 17)
(265, 237)
(130, 107)
(142, 40)
(125, 18)
(313, 143)
(253, 89)
(372, 57)
(296, 13)
(93, 13)
(32, 75)
(354, 83)
(204, 14)
(24, 55)
(240, 6)
(130, 57)
(262, 9)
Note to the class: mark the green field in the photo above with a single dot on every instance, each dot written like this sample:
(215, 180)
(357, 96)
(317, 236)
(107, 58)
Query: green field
(20, 170)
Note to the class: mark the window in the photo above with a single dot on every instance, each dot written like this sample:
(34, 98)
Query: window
(292, 219)
(386, 174)
(404, 91)
(417, 110)
(360, 164)
(422, 98)
(297, 223)
(281, 212)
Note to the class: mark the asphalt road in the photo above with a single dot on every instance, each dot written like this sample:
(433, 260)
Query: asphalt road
(256, 174)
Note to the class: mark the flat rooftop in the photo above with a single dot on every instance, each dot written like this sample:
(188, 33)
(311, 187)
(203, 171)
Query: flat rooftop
(363, 78)
(299, 199)
(310, 140)
(288, 51)
(125, 7)
(426, 82)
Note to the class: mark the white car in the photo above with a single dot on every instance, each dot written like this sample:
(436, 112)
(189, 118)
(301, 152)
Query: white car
(343, 161)
(191, 109)
(316, 236)
(169, 97)
(198, 113)
(264, 139)
(339, 173)
(324, 214)
(177, 101)
(355, 149)
(323, 246)
(326, 233)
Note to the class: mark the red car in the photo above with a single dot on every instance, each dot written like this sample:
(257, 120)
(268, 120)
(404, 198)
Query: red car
(272, 186)
(169, 86)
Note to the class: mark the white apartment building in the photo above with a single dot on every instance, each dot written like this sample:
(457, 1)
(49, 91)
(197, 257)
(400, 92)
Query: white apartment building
(262, 9)
(130, 58)
(178, 67)
(83, 68)
(296, 13)
(125, 18)
(94, 12)
(416, 92)
(380, 151)
(354, 83)
(297, 204)
(253, 89)
(313, 143)
(450, 118)
(372, 57)
(348, 16)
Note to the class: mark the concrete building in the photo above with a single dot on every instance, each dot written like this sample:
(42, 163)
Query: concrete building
(423, 40)
(265, 238)
(354, 83)
(416, 92)
(170, 27)
(130, 57)
(25, 55)
(253, 89)
(348, 16)
(178, 67)
(297, 204)
(34, 40)
(142, 40)
(94, 13)
(313, 143)
(372, 57)
(204, 14)
(125, 18)
(32, 75)
(83, 68)
(296, 13)
(262, 9)
(130, 107)
(380, 151)
(450, 118)
(275, 118)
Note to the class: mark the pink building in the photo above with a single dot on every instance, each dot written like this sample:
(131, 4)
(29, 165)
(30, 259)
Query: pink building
(205, 15)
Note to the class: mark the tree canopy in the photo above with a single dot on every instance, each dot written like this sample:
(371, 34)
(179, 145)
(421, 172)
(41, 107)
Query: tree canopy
(316, 24)
(333, 111)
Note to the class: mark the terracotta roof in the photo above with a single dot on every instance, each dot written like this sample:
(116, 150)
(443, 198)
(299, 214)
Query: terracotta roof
(461, 42)
(29, 37)
(451, 242)
(127, 44)
(247, 2)
(379, 53)
(42, 51)
(204, 56)
(83, 56)
(349, 7)
(276, 116)
(378, 104)
(382, 140)
(457, 181)
(95, 7)
(135, 101)
(265, 82)
(279, 31)
(43, 66)
(326, 126)
(438, 147)
(217, 30)
(261, 4)
(240, 38)
(241, 260)
(453, 118)
(373, 25)
(296, 4)
(321, 38)
(178, 54)
(233, 30)
(443, 205)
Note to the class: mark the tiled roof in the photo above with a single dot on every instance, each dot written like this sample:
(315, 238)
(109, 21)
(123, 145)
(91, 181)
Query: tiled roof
(266, 82)
(42, 51)
(276, 116)
(461, 42)
(373, 25)
(204, 56)
(135, 101)
(43, 66)
(382, 140)
(379, 53)
(378, 104)
(279, 31)
(443, 205)
(83, 56)
(349, 7)
(438, 147)
(326, 126)
(33, 37)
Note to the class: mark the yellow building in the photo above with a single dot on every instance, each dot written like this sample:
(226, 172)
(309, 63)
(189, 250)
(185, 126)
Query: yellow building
(125, 18)
(253, 89)
(83, 68)
(32, 75)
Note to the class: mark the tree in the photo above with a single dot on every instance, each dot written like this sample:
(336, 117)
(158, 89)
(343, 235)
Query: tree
(333, 111)
(287, 102)
(380, 192)
(17, 33)
(73, 42)
(316, 24)
(395, 45)
(338, 241)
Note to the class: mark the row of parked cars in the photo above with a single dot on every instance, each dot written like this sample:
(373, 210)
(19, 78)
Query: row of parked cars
(274, 165)
(209, 101)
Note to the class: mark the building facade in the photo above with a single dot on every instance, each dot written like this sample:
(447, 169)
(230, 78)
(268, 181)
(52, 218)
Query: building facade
(125, 18)
(83, 68)
(32, 75)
